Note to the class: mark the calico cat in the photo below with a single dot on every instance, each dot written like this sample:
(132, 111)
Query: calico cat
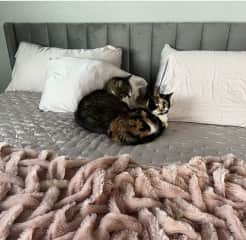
(159, 104)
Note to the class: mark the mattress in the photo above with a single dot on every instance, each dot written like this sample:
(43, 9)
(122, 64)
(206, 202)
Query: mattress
(24, 125)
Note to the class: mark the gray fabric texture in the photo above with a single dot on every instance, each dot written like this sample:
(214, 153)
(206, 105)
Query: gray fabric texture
(142, 42)
(23, 124)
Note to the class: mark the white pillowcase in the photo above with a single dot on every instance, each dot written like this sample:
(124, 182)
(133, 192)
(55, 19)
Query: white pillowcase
(70, 79)
(32, 61)
(209, 86)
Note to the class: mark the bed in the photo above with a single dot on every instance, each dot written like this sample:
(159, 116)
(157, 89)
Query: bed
(44, 195)
(23, 124)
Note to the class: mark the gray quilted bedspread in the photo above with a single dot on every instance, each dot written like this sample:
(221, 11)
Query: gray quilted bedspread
(23, 124)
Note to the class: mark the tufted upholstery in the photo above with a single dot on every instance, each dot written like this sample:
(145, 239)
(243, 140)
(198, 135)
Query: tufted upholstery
(142, 42)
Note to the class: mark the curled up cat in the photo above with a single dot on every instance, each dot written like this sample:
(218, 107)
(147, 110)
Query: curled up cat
(106, 111)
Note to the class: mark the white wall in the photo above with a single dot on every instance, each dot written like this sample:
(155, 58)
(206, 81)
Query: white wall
(112, 12)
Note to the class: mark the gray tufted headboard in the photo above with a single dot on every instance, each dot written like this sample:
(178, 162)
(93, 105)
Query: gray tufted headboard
(142, 42)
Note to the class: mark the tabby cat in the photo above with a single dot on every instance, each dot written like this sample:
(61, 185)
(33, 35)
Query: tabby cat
(103, 111)
(120, 87)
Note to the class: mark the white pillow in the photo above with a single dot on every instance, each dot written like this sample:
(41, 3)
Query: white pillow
(32, 60)
(209, 86)
(69, 79)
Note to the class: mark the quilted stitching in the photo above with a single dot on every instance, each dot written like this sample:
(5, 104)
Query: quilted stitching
(23, 124)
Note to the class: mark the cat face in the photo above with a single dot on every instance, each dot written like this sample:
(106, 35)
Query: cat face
(120, 87)
(162, 103)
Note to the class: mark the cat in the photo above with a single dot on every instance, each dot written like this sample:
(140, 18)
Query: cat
(103, 111)
(97, 109)
(117, 86)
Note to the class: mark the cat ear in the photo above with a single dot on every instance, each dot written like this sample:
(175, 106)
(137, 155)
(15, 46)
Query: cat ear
(128, 81)
(168, 96)
(128, 77)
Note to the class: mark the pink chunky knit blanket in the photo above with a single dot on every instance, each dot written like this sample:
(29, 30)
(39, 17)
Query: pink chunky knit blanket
(46, 196)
